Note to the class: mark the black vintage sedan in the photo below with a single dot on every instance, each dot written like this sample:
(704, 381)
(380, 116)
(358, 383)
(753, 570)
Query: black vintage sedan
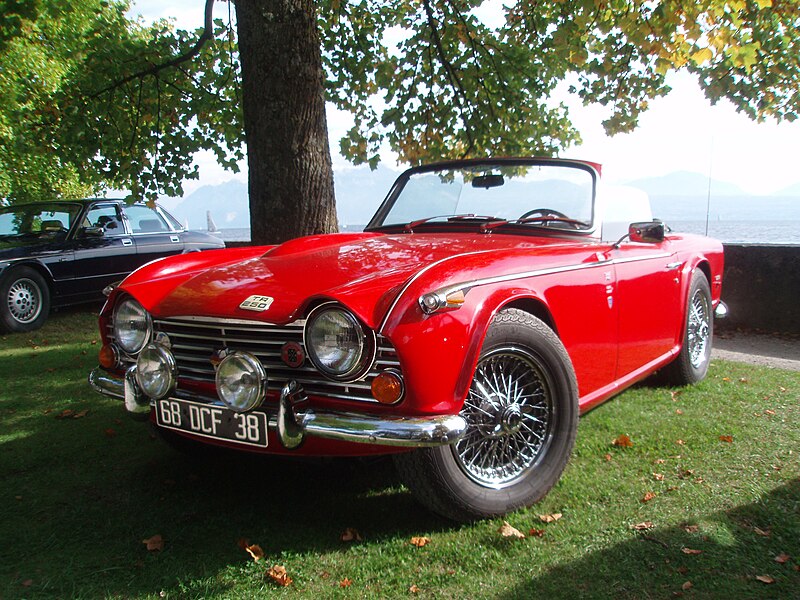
(59, 253)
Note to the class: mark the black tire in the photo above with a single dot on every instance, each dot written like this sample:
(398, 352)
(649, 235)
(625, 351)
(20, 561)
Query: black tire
(691, 364)
(537, 413)
(24, 300)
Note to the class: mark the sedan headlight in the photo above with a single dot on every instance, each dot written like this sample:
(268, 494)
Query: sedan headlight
(241, 381)
(132, 326)
(336, 342)
(156, 371)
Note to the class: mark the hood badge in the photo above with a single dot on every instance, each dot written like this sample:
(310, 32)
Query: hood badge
(292, 354)
(256, 303)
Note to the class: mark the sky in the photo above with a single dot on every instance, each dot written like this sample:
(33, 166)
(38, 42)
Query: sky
(680, 132)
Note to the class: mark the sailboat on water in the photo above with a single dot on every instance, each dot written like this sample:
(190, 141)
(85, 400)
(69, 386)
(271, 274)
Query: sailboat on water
(210, 225)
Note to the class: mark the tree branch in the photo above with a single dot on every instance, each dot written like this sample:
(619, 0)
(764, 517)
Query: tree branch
(208, 33)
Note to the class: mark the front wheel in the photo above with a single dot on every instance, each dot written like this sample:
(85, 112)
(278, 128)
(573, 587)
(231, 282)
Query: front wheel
(25, 300)
(691, 364)
(522, 415)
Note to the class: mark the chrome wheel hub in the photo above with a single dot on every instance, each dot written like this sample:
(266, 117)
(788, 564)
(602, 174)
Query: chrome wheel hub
(24, 300)
(699, 328)
(509, 413)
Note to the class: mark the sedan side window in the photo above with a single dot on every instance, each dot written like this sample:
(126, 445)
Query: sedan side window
(107, 218)
(145, 220)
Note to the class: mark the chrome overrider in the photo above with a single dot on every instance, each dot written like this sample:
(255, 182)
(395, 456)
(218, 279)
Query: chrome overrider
(292, 423)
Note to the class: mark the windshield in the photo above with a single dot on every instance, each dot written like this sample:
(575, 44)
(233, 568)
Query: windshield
(551, 194)
(38, 220)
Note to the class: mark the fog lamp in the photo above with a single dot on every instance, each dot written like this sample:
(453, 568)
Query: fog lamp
(241, 381)
(388, 388)
(156, 371)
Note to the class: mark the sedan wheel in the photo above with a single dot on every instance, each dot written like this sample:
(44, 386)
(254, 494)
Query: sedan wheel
(25, 300)
(522, 414)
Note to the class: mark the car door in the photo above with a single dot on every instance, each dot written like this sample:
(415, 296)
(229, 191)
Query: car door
(648, 296)
(152, 235)
(102, 249)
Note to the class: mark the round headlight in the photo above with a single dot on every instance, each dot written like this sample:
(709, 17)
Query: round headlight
(337, 344)
(241, 381)
(156, 372)
(132, 326)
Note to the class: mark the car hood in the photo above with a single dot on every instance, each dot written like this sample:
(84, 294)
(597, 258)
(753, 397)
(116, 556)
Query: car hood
(364, 271)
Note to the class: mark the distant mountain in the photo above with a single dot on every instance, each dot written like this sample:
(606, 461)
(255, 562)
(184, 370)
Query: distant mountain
(359, 192)
(685, 183)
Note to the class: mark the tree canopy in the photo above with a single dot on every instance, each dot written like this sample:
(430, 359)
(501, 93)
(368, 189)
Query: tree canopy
(91, 99)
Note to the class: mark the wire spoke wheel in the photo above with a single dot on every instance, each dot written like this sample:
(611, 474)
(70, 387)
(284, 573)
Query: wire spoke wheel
(509, 411)
(24, 300)
(698, 328)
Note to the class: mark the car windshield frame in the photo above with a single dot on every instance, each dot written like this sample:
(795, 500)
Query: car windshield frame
(476, 175)
(30, 211)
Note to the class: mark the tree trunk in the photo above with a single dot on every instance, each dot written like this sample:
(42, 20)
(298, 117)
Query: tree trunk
(288, 155)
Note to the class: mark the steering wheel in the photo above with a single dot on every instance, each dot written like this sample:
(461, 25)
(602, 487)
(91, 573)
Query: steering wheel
(544, 212)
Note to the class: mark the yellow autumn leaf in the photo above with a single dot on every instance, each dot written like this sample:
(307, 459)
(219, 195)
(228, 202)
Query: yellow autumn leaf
(506, 530)
(702, 56)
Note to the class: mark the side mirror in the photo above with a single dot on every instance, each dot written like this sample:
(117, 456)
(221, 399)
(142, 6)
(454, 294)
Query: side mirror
(93, 232)
(647, 232)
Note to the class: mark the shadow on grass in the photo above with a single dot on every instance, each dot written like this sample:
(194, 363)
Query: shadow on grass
(721, 558)
(79, 496)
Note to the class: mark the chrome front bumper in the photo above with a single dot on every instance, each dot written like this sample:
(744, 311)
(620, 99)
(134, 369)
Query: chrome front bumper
(292, 425)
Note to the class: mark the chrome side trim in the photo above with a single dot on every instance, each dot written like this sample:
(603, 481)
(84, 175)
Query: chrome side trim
(293, 426)
(468, 285)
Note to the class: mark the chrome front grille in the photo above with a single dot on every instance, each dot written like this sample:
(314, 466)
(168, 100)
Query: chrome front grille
(194, 340)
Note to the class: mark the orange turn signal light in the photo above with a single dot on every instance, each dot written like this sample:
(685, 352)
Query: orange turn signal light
(108, 357)
(387, 388)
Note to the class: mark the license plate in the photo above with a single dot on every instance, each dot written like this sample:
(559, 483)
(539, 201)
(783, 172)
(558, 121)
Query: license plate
(213, 422)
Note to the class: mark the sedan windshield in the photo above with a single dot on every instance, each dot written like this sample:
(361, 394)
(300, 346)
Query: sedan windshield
(38, 220)
(550, 194)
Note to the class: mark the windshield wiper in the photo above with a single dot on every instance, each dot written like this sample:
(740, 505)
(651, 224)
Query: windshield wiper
(540, 221)
(409, 227)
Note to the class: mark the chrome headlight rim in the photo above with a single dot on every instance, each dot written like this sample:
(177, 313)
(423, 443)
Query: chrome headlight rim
(367, 344)
(147, 329)
(167, 365)
(254, 368)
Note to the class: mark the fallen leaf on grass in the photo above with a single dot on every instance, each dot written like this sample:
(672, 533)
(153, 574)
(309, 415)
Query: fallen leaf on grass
(533, 532)
(762, 532)
(675, 395)
(679, 412)
(690, 528)
(110, 433)
(680, 442)
(648, 496)
(420, 541)
(414, 589)
(691, 551)
(769, 412)
(154, 544)
(623, 441)
(726, 438)
(782, 558)
(507, 530)
(658, 476)
(643, 526)
(255, 551)
(279, 575)
(659, 461)
(27, 583)
(607, 457)
(765, 579)
(687, 586)
(350, 535)
(344, 583)
(550, 518)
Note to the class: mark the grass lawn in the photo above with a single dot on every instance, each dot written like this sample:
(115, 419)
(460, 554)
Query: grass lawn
(712, 480)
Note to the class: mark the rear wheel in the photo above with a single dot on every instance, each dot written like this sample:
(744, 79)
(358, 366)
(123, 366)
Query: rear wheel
(522, 415)
(24, 300)
(691, 364)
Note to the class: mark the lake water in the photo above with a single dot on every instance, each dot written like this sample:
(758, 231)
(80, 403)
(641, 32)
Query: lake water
(784, 233)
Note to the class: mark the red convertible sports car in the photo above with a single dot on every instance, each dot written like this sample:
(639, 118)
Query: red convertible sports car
(486, 305)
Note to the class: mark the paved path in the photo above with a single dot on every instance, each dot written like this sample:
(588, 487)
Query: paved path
(773, 350)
